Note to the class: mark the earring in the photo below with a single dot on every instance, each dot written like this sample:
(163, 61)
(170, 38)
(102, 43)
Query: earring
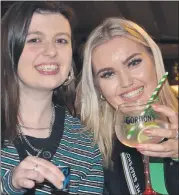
(102, 97)
(70, 78)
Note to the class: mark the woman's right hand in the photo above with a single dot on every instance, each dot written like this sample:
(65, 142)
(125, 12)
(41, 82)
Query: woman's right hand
(34, 170)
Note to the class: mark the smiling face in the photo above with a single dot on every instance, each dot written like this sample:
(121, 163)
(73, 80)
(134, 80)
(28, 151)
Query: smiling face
(46, 58)
(124, 71)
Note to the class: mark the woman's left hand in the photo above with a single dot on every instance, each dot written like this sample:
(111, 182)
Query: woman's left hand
(167, 148)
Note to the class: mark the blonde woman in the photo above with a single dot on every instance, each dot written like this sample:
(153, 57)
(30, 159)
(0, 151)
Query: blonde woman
(122, 64)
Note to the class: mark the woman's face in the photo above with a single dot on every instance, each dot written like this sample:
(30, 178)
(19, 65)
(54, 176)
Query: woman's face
(46, 58)
(123, 71)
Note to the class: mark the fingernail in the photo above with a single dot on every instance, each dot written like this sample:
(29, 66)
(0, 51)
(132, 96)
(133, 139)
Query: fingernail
(61, 186)
(139, 146)
(154, 106)
(147, 131)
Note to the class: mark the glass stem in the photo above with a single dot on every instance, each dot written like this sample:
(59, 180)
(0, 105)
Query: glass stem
(147, 172)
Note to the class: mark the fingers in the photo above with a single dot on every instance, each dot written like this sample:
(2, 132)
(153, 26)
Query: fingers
(48, 165)
(26, 183)
(34, 170)
(23, 178)
(34, 175)
(168, 148)
(154, 147)
(27, 164)
(55, 179)
(31, 177)
(163, 133)
(49, 171)
(165, 149)
(159, 154)
(169, 112)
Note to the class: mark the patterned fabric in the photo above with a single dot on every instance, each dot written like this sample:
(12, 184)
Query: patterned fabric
(76, 150)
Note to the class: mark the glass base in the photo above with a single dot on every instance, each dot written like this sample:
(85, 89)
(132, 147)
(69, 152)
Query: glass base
(150, 191)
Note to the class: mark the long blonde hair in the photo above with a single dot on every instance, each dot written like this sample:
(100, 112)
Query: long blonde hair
(98, 115)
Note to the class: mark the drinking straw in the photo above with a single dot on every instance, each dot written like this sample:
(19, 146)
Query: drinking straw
(152, 97)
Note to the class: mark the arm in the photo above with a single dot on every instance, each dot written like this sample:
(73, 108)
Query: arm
(93, 182)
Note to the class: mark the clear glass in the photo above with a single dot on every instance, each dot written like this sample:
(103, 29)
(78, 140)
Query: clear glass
(131, 119)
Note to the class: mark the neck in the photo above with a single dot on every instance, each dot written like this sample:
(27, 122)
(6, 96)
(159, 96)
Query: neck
(35, 108)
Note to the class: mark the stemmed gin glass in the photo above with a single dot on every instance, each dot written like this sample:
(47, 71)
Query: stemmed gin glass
(131, 119)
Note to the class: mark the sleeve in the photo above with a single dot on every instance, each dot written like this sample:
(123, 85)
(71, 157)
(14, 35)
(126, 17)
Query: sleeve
(171, 172)
(7, 187)
(93, 182)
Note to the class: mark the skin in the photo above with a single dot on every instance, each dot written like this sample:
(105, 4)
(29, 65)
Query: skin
(48, 42)
(122, 66)
(121, 75)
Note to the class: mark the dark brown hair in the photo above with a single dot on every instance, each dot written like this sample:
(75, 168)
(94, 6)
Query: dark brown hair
(14, 29)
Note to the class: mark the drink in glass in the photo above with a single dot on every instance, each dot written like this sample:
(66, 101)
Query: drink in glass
(131, 120)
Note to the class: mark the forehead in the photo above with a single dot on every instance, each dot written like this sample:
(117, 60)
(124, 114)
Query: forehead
(118, 44)
(49, 22)
(116, 48)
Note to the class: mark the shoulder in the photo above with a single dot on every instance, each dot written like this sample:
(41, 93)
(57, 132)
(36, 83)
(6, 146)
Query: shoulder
(71, 120)
(81, 138)
(8, 149)
(75, 134)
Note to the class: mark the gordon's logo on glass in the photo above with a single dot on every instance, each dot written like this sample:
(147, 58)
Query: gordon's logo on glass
(137, 119)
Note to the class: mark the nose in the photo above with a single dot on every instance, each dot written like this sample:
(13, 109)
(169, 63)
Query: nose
(50, 50)
(125, 79)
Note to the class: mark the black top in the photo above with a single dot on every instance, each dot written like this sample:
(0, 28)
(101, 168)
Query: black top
(51, 144)
(127, 175)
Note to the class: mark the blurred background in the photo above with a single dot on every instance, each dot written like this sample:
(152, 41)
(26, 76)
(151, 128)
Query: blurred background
(159, 18)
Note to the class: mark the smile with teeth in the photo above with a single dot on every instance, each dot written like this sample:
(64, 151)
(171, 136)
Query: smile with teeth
(133, 93)
(46, 68)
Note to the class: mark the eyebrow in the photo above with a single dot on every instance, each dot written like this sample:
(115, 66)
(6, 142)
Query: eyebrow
(124, 62)
(130, 57)
(40, 33)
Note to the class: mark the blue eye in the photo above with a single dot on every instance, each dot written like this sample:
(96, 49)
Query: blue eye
(63, 41)
(134, 62)
(107, 74)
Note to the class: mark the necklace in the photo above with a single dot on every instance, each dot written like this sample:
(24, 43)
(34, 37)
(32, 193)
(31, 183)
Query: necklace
(41, 128)
(22, 136)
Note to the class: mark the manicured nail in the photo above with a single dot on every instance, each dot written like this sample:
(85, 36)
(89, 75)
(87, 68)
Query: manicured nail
(155, 106)
(139, 146)
(147, 131)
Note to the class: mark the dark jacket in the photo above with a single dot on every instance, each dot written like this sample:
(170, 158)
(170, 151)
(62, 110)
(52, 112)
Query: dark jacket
(127, 175)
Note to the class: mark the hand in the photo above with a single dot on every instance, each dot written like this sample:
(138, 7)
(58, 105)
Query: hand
(168, 148)
(34, 170)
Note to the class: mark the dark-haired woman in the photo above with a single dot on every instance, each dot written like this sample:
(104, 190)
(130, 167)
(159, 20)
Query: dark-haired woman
(39, 135)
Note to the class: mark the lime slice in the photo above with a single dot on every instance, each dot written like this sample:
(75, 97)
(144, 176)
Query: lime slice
(141, 137)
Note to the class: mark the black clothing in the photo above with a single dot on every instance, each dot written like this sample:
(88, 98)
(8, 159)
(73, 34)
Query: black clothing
(127, 175)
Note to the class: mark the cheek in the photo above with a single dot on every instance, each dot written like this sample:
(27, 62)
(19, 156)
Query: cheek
(109, 91)
(147, 73)
(65, 58)
(28, 55)
(65, 54)
(149, 79)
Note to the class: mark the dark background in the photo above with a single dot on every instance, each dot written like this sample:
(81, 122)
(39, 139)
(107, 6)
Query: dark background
(159, 18)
